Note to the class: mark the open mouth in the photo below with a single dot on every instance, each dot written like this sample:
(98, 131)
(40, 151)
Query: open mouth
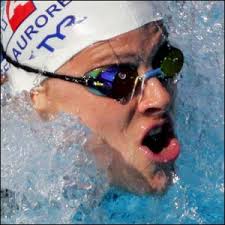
(160, 143)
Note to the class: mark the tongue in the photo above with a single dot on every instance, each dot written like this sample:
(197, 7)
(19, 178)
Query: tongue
(170, 152)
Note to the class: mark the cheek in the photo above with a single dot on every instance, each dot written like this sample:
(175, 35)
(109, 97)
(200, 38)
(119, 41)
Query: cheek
(103, 115)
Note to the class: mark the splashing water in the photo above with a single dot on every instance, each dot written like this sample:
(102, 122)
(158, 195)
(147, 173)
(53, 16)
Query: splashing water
(45, 171)
(46, 186)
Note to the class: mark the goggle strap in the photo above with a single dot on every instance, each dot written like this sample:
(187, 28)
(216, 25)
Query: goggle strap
(152, 73)
(79, 80)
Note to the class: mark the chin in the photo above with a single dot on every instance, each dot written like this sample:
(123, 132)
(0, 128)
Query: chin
(153, 188)
(156, 182)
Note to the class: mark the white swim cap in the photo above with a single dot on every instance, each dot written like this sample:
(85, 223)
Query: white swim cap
(45, 34)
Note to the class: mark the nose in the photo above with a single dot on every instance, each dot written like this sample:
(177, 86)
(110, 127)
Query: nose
(155, 97)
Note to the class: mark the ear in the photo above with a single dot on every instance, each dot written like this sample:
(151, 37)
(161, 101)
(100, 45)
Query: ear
(41, 103)
(38, 97)
(4, 78)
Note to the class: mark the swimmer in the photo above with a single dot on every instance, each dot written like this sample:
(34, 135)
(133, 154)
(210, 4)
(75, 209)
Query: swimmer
(111, 64)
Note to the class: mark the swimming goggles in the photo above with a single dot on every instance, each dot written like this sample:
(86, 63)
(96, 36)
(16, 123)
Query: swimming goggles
(119, 81)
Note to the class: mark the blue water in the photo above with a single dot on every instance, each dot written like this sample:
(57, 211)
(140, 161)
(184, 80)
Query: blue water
(197, 193)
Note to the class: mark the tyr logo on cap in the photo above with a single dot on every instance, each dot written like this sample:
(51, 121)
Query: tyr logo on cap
(18, 11)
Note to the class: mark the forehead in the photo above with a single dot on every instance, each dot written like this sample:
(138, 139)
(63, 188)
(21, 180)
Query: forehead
(139, 43)
(131, 47)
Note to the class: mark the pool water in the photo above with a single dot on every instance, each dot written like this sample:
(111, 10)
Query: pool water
(54, 181)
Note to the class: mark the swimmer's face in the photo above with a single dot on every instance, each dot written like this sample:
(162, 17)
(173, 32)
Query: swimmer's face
(121, 141)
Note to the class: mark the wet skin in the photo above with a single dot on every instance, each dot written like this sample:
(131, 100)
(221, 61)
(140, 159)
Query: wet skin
(4, 79)
(118, 129)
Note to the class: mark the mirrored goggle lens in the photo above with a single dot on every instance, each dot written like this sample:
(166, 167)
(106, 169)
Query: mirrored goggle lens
(115, 81)
(169, 59)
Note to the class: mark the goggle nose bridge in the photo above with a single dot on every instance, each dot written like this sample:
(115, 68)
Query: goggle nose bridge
(143, 77)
